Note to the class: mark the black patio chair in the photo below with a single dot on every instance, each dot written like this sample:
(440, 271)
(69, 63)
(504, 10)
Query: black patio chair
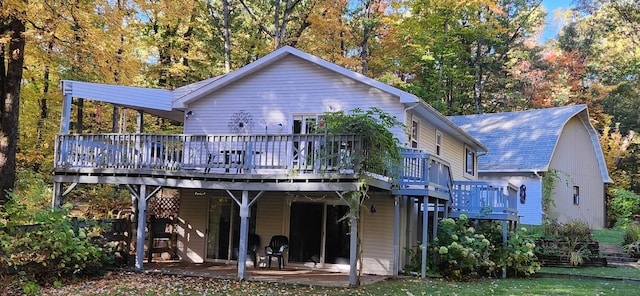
(276, 248)
(252, 248)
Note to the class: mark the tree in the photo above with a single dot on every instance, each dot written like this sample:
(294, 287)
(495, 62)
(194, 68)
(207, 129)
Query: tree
(12, 43)
(457, 53)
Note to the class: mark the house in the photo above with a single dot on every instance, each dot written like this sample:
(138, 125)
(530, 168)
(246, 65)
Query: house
(250, 161)
(525, 146)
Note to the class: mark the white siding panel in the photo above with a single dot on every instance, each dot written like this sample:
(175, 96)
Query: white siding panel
(576, 161)
(270, 218)
(191, 228)
(452, 150)
(291, 86)
(377, 236)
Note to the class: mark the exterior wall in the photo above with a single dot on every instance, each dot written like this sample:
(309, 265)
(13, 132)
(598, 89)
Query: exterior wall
(377, 236)
(575, 161)
(451, 150)
(530, 211)
(377, 229)
(270, 218)
(192, 225)
(273, 94)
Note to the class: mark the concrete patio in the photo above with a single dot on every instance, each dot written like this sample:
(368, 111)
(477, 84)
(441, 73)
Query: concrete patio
(288, 275)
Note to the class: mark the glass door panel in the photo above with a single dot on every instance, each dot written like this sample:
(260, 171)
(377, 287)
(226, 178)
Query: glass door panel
(305, 232)
(337, 242)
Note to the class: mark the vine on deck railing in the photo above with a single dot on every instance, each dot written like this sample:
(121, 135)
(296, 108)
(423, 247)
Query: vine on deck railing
(380, 152)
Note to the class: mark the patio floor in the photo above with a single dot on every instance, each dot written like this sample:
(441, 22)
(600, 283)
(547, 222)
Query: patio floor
(288, 275)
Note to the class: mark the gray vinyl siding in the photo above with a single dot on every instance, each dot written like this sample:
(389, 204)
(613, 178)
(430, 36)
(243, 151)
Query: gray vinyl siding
(576, 163)
(377, 236)
(292, 86)
(192, 225)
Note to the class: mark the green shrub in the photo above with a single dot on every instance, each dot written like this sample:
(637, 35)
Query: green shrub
(631, 240)
(554, 230)
(632, 234)
(466, 250)
(52, 247)
(520, 255)
(622, 205)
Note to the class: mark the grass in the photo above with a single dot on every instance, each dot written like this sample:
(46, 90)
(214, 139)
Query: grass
(149, 284)
(610, 236)
(625, 273)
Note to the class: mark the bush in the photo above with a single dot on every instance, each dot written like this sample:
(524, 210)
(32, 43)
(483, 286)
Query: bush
(464, 250)
(53, 247)
(576, 230)
(631, 240)
(623, 204)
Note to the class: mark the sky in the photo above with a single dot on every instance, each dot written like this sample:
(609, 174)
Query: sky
(551, 29)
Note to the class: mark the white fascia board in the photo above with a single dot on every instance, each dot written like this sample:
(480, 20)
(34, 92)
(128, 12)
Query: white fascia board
(140, 97)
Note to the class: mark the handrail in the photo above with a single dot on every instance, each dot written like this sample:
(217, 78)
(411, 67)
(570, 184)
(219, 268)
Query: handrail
(485, 197)
(227, 152)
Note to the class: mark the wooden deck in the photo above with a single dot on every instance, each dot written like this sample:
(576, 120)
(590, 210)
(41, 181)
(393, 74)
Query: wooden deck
(283, 162)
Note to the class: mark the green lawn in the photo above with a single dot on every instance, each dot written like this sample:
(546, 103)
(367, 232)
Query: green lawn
(610, 236)
(127, 283)
(625, 273)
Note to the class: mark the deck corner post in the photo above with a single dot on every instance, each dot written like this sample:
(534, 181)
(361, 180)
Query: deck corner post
(396, 234)
(353, 249)
(56, 199)
(504, 247)
(142, 219)
(425, 234)
(244, 232)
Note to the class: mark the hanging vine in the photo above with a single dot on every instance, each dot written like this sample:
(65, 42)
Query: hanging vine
(381, 152)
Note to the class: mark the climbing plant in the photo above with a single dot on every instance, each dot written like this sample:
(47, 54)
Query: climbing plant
(549, 183)
(380, 153)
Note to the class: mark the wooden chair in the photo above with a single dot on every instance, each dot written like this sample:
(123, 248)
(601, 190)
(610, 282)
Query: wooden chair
(276, 248)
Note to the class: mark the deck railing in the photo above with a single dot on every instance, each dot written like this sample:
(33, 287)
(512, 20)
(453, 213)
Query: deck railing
(209, 153)
(484, 198)
(421, 172)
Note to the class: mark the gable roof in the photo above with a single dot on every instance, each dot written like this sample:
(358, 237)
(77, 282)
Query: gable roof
(525, 141)
(212, 85)
(171, 103)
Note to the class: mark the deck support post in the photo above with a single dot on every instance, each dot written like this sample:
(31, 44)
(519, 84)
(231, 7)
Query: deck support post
(396, 234)
(244, 233)
(504, 247)
(56, 201)
(245, 213)
(425, 235)
(353, 245)
(434, 233)
(142, 220)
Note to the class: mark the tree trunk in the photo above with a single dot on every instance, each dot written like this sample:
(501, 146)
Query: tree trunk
(227, 35)
(10, 78)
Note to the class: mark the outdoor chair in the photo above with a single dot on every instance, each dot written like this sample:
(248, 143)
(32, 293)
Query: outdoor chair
(276, 248)
(252, 248)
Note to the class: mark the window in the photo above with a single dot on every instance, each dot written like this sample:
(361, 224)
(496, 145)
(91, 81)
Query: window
(438, 142)
(576, 195)
(470, 160)
(415, 128)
